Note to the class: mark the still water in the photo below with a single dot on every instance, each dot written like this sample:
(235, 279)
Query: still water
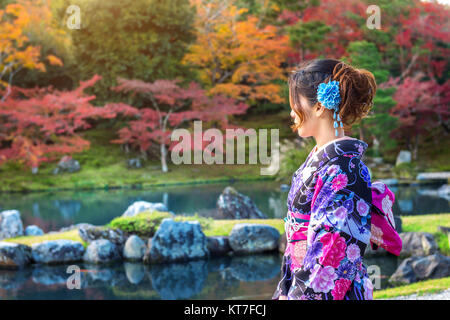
(54, 210)
(239, 277)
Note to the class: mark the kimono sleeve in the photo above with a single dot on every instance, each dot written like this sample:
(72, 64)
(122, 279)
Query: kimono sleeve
(338, 233)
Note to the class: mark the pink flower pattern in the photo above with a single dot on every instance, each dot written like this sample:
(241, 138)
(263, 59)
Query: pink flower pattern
(334, 246)
(339, 182)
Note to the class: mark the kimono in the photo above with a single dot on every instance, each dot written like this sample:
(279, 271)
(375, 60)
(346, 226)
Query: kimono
(328, 226)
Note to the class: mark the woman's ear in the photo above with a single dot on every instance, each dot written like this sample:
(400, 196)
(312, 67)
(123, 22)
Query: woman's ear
(319, 109)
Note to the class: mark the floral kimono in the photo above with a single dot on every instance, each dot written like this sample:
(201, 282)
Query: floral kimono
(328, 226)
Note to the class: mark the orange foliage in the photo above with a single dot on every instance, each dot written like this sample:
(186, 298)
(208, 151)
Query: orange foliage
(237, 57)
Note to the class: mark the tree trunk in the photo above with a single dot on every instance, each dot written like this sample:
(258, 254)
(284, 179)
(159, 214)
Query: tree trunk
(416, 148)
(164, 158)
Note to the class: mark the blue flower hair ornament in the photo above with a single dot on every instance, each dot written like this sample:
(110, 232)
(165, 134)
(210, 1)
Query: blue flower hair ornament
(328, 95)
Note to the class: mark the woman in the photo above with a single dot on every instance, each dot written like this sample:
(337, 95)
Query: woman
(328, 224)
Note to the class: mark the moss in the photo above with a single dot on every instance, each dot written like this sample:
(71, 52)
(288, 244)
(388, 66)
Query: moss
(143, 224)
(420, 288)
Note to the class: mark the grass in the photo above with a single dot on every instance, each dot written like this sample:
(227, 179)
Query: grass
(66, 235)
(429, 223)
(104, 165)
(419, 288)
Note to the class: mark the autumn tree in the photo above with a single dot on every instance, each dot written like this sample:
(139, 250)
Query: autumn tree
(38, 125)
(15, 51)
(422, 107)
(236, 57)
(134, 39)
(169, 105)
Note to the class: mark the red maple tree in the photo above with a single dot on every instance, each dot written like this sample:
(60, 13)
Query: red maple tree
(40, 124)
(168, 106)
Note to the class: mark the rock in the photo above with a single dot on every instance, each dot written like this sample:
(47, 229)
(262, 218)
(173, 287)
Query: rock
(57, 251)
(91, 233)
(389, 182)
(134, 163)
(74, 226)
(140, 206)
(434, 266)
(10, 224)
(444, 176)
(218, 246)
(101, 251)
(233, 205)
(252, 238)
(417, 244)
(404, 156)
(404, 273)
(177, 241)
(14, 255)
(67, 164)
(284, 187)
(134, 248)
(33, 231)
(135, 272)
(414, 269)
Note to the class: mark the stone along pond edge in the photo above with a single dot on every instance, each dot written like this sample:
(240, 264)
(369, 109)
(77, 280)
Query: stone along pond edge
(160, 237)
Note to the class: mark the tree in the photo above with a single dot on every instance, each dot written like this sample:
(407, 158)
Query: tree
(422, 105)
(134, 39)
(168, 106)
(38, 125)
(235, 57)
(380, 123)
(15, 52)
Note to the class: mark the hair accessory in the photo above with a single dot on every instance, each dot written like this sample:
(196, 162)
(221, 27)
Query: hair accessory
(328, 95)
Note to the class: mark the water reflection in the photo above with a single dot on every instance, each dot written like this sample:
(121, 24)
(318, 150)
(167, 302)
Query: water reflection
(248, 277)
(54, 210)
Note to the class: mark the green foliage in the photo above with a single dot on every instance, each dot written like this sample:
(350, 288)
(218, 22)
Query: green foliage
(143, 224)
(406, 170)
(292, 160)
(379, 123)
(308, 36)
(133, 39)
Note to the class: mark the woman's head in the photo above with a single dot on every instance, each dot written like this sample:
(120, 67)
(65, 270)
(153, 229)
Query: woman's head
(357, 89)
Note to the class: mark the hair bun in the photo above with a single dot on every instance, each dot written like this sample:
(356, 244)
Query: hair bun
(357, 89)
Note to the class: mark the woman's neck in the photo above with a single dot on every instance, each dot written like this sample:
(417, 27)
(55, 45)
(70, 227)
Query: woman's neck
(328, 136)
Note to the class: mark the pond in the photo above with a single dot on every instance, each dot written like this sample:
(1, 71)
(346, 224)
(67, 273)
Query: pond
(54, 210)
(239, 277)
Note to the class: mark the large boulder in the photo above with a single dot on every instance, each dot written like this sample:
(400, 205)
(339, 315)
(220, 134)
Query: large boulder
(414, 269)
(404, 156)
(10, 224)
(57, 251)
(134, 248)
(14, 255)
(417, 244)
(252, 238)
(33, 231)
(141, 206)
(218, 246)
(101, 251)
(234, 205)
(67, 164)
(177, 241)
(91, 233)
